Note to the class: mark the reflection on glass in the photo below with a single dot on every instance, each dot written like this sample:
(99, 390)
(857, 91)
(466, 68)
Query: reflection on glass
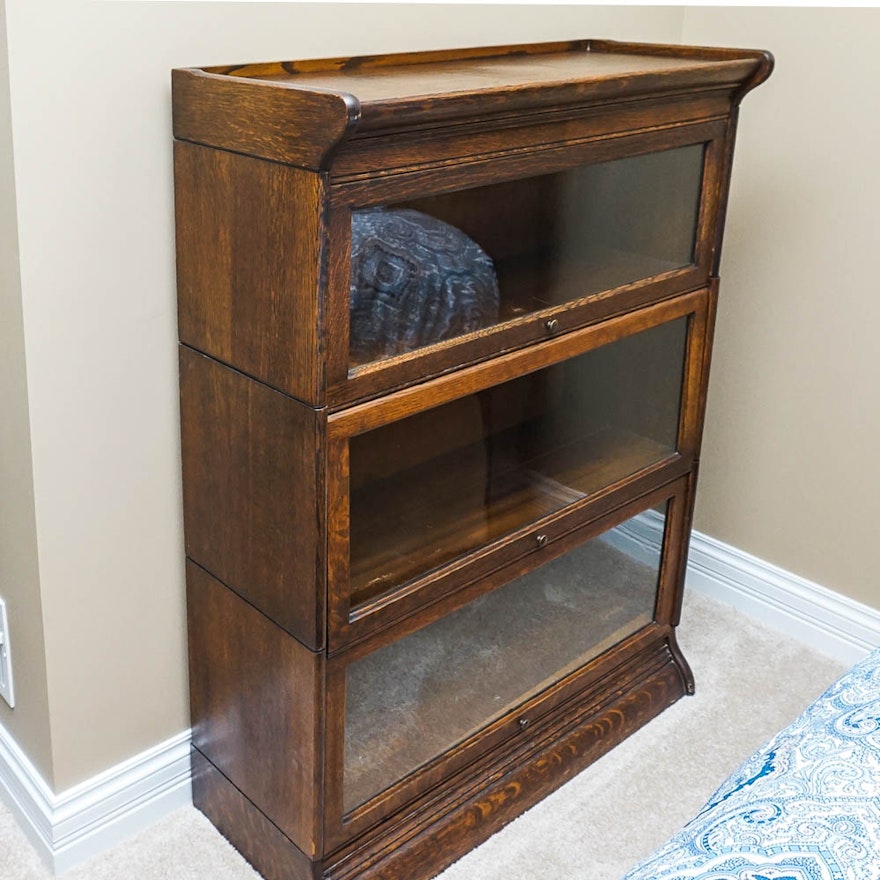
(410, 701)
(439, 267)
(434, 486)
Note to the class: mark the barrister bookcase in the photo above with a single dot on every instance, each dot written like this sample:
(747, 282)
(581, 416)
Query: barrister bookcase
(445, 328)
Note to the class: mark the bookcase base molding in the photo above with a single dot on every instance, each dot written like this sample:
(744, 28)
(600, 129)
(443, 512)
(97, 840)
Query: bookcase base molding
(485, 797)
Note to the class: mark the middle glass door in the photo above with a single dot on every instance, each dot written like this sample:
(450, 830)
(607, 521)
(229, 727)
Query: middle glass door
(429, 501)
(432, 487)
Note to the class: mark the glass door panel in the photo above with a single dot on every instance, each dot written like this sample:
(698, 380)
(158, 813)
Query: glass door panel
(431, 487)
(412, 700)
(440, 267)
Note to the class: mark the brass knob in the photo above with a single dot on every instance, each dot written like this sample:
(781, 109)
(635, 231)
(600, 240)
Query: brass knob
(552, 325)
(541, 540)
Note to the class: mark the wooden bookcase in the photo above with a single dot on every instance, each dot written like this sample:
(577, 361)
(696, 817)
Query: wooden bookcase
(445, 324)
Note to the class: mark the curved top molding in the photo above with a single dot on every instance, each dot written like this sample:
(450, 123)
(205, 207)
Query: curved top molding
(301, 111)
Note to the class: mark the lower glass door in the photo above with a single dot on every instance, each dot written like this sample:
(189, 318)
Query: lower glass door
(410, 701)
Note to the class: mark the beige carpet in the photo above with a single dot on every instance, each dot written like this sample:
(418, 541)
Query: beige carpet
(750, 682)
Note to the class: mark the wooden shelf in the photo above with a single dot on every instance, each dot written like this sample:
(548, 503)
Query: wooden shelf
(412, 522)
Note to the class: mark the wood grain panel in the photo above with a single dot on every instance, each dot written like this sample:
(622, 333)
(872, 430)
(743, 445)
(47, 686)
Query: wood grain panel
(268, 120)
(300, 111)
(425, 147)
(256, 699)
(436, 178)
(246, 828)
(674, 561)
(515, 79)
(283, 69)
(252, 502)
(249, 265)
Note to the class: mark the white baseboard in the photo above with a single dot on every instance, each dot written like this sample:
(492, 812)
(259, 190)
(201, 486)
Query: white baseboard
(834, 624)
(68, 828)
(831, 623)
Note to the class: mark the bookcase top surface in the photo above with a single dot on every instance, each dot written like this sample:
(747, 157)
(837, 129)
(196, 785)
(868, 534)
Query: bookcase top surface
(300, 111)
(435, 74)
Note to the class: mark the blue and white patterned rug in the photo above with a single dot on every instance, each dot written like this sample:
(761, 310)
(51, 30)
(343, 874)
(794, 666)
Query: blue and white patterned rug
(806, 806)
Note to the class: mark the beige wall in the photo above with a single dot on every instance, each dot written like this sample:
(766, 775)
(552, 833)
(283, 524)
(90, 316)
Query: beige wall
(91, 125)
(791, 471)
(19, 576)
(99, 638)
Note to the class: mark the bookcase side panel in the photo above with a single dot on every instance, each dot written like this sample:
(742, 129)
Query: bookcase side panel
(255, 696)
(249, 265)
(252, 499)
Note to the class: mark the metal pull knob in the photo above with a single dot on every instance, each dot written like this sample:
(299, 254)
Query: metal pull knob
(523, 723)
(552, 325)
(541, 540)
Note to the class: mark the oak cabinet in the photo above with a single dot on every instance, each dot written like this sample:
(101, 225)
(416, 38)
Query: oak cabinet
(445, 324)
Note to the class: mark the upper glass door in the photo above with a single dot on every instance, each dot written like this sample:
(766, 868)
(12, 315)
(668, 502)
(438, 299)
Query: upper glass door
(432, 269)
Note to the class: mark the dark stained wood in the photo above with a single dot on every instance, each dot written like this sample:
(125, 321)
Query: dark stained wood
(366, 416)
(714, 183)
(598, 296)
(677, 596)
(383, 559)
(392, 374)
(256, 317)
(505, 163)
(249, 265)
(419, 604)
(275, 856)
(425, 148)
(270, 161)
(422, 785)
(256, 693)
(337, 303)
(268, 120)
(689, 426)
(490, 82)
(372, 62)
(669, 603)
(702, 385)
(438, 475)
(338, 528)
(758, 76)
(252, 505)
(674, 555)
(763, 67)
